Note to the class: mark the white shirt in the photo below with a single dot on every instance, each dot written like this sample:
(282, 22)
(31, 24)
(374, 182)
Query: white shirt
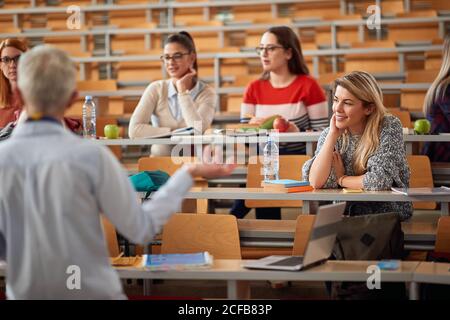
(53, 187)
(173, 98)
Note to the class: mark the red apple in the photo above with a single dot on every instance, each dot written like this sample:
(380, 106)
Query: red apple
(281, 124)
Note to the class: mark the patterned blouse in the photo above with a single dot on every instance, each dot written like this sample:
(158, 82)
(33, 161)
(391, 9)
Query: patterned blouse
(387, 167)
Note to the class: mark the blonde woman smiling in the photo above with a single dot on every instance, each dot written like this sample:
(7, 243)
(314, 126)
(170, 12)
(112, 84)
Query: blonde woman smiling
(362, 148)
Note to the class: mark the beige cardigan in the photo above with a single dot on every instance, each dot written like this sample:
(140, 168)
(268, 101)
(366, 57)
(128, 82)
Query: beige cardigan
(155, 101)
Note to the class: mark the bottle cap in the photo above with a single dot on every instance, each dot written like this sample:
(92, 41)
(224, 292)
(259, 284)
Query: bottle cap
(88, 98)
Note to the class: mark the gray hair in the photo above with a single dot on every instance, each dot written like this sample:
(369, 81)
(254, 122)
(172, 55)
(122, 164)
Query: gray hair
(46, 77)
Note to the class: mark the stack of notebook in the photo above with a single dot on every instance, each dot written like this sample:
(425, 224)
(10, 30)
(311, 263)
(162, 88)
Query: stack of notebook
(286, 186)
(178, 261)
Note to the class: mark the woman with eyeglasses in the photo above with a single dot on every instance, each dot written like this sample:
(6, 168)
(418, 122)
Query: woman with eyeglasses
(11, 111)
(180, 101)
(10, 108)
(285, 88)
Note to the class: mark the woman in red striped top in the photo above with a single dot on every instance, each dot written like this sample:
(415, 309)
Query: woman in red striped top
(285, 87)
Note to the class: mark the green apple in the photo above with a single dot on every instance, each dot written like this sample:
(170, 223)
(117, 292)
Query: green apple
(111, 131)
(422, 126)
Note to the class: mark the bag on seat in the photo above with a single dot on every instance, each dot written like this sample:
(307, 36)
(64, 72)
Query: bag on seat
(149, 181)
(369, 237)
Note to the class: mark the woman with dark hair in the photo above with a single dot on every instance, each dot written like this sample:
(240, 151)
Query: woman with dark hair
(10, 108)
(181, 101)
(285, 88)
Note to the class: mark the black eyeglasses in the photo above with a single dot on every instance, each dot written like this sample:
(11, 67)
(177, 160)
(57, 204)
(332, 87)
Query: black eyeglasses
(268, 49)
(7, 60)
(176, 56)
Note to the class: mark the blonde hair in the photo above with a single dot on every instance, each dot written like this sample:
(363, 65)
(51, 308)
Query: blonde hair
(5, 86)
(439, 86)
(364, 87)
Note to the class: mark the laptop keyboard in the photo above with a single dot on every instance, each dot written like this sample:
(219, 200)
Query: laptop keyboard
(288, 262)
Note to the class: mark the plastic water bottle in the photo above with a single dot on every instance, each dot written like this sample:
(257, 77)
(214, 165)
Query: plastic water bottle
(89, 118)
(271, 160)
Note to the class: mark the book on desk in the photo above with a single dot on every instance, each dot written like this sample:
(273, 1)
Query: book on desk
(178, 261)
(188, 131)
(422, 191)
(286, 186)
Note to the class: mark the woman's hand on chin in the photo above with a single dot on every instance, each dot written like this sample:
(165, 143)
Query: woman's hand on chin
(334, 130)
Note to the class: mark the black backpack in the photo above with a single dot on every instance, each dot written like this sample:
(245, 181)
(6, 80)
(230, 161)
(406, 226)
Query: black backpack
(369, 237)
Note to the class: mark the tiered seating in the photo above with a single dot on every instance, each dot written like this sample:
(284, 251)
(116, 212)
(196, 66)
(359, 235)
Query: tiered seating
(422, 31)
(387, 62)
(312, 38)
(412, 99)
(345, 35)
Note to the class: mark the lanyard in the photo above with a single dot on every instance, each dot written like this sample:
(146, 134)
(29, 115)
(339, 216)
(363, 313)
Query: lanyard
(43, 118)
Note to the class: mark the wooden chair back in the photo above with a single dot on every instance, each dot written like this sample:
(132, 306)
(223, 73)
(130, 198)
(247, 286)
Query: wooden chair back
(189, 233)
(97, 85)
(421, 176)
(302, 233)
(404, 117)
(170, 165)
(110, 236)
(166, 164)
(442, 244)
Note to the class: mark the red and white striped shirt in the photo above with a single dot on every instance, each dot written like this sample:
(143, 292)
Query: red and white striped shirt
(302, 102)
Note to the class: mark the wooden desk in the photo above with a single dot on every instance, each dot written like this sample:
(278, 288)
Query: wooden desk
(237, 277)
(316, 195)
(429, 272)
(308, 137)
(432, 272)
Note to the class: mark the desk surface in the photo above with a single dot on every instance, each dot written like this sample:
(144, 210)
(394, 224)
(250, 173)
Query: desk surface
(433, 272)
(225, 139)
(316, 195)
(232, 270)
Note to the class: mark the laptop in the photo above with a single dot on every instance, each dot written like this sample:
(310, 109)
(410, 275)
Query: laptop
(319, 247)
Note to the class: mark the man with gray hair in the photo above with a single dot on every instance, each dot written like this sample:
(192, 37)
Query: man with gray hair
(55, 184)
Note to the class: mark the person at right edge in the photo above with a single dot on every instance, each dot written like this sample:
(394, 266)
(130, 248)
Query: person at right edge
(437, 109)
